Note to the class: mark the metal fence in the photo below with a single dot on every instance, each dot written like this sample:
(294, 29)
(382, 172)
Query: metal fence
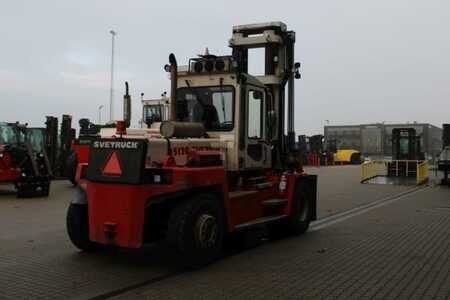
(395, 168)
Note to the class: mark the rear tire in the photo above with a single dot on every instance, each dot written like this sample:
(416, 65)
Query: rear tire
(78, 228)
(196, 230)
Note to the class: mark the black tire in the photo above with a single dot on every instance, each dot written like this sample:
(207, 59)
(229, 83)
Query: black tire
(301, 210)
(300, 218)
(196, 230)
(45, 189)
(33, 189)
(78, 228)
(71, 167)
(355, 159)
(24, 190)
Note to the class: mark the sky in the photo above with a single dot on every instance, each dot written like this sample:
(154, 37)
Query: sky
(362, 61)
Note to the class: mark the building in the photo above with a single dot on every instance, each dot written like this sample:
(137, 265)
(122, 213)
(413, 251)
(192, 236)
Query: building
(375, 140)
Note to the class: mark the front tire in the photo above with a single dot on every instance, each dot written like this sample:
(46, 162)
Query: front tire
(301, 214)
(78, 228)
(29, 189)
(196, 230)
(301, 209)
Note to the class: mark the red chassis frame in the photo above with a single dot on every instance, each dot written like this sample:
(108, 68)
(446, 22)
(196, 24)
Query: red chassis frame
(82, 152)
(117, 211)
(8, 172)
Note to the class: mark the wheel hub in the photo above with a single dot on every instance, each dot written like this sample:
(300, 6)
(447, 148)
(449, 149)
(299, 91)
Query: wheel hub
(206, 231)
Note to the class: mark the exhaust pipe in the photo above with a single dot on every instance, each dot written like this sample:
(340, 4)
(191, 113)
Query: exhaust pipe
(173, 68)
(127, 106)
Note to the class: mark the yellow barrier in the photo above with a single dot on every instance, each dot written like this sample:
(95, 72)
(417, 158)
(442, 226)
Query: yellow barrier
(373, 169)
(401, 168)
(422, 172)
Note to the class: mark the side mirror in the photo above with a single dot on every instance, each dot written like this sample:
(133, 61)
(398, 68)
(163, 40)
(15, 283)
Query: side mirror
(297, 74)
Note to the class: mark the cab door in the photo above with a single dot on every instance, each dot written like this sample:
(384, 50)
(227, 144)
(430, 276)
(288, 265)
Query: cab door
(256, 150)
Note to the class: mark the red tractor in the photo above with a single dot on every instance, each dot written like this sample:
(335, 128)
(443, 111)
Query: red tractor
(23, 160)
(222, 164)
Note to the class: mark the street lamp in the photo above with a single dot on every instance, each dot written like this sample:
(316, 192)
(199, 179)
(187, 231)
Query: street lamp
(100, 114)
(111, 91)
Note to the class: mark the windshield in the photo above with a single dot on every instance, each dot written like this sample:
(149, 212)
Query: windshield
(213, 106)
(153, 113)
(7, 134)
(36, 139)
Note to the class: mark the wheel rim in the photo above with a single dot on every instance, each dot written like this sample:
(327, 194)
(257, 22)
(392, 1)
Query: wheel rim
(206, 231)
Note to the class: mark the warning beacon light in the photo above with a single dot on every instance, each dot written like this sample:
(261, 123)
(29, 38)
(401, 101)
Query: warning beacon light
(121, 128)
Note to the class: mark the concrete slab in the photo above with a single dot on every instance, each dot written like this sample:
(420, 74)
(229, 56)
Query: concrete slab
(339, 189)
(398, 251)
(37, 260)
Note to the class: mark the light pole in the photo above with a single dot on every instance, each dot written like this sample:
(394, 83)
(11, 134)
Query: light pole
(111, 92)
(100, 114)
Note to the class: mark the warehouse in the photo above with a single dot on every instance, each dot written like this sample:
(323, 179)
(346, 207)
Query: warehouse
(374, 140)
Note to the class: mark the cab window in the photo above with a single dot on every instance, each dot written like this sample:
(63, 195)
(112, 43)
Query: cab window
(255, 114)
(212, 106)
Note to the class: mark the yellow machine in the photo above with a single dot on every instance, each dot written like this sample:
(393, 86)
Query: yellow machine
(347, 156)
(408, 166)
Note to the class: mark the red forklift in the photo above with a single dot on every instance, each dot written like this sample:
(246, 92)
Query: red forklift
(23, 159)
(79, 149)
(222, 164)
(153, 112)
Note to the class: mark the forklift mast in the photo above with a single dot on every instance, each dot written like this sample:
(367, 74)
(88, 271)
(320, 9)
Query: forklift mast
(66, 138)
(280, 70)
(51, 141)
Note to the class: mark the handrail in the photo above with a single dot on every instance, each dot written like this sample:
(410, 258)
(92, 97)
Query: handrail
(376, 168)
(370, 169)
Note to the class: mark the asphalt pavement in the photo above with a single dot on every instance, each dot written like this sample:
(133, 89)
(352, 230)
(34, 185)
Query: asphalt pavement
(367, 240)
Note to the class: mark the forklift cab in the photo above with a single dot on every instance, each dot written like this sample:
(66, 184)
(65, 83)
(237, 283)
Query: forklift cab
(255, 128)
(36, 138)
(232, 110)
(9, 134)
(406, 145)
(154, 111)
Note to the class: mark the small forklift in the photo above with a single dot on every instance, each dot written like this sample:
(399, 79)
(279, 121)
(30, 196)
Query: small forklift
(407, 166)
(154, 111)
(23, 159)
(222, 164)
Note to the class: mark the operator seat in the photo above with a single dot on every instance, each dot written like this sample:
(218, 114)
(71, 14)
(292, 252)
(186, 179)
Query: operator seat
(210, 116)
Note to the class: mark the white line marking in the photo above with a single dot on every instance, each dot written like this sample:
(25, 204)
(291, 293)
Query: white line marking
(339, 217)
